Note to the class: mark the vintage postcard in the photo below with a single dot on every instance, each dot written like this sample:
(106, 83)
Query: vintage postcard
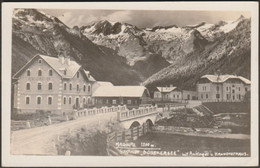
(130, 84)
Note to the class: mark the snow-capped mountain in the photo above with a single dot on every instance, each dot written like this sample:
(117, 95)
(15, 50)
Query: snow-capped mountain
(169, 42)
(35, 32)
(229, 54)
(125, 54)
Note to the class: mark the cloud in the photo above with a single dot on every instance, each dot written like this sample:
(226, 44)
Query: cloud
(143, 18)
(121, 16)
(74, 18)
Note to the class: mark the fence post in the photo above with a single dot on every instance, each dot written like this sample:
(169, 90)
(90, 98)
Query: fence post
(28, 124)
(115, 136)
(67, 153)
(132, 134)
(49, 120)
(118, 116)
(137, 131)
(143, 128)
(123, 136)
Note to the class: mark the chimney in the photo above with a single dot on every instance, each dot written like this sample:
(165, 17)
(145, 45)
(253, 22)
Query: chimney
(67, 60)
(61, 57)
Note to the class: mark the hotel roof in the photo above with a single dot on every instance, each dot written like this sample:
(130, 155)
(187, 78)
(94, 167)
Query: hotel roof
(223, 78)
(54, 62)
(120, 91)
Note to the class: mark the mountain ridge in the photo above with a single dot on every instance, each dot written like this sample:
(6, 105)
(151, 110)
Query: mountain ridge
(127, 55)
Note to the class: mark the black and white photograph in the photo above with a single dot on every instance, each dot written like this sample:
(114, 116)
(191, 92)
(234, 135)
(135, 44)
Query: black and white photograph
(171, 81)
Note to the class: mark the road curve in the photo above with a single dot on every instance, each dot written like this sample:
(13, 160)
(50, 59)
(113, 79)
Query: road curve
(40, 140)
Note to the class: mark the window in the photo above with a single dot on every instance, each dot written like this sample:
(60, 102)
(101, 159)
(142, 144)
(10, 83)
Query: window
(107, 101)
(39, 61)
(233, 85)
(233, 91)
(227, 96)
(78, 74)
(217, 88)
(177, 96)
(50, 86)
(246, 89)
(89, 88)
(239, 96)
(50, 72)
(39, 100)
(77, 87)
(89, 100)
(28, 86)
(27, 100)
(217, 96)
(64, 100)
(28, 73)
(39, 72)
(65, 86)
(201, 96)
(84, 100)
(238, 88)
(227, 88)
(69, 100)
(84, 88)
(130, 102)
(65, 72)
(113, 101)
(49, 100)
(207, 96)
(70, 86)
(39, 86)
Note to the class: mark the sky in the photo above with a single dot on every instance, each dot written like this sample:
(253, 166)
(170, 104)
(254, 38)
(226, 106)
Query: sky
(142, 18)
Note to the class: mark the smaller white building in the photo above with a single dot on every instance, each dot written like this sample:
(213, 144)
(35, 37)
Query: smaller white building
(167, 94)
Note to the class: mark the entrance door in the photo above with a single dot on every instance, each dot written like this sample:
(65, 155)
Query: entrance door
(188, 97)
(77, 102)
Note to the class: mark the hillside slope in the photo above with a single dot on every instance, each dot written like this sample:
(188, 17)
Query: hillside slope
(228, 54)
(35, 32)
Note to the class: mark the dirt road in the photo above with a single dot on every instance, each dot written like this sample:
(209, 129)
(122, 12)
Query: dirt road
(40, 140)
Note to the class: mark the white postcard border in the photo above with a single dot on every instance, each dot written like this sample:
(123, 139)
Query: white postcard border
(16, 160)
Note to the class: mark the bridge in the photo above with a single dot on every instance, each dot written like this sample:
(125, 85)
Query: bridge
(135, 117)
(41, 140)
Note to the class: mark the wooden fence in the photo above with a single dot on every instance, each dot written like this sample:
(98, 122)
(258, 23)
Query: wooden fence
(124, 136)
(16, 125)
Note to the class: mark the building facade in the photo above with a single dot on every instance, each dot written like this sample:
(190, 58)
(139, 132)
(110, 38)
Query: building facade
(51, 84)
(132, 96)
(222, 88)
(168, 94)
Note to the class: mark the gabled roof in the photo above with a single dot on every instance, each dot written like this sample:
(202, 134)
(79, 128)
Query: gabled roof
(223, 78)
(54, 63)
(102, 83)
(71, 69)
(166, 89)
(90, 77)
(120, 91)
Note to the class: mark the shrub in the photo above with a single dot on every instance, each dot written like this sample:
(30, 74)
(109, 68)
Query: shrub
(84, 142)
